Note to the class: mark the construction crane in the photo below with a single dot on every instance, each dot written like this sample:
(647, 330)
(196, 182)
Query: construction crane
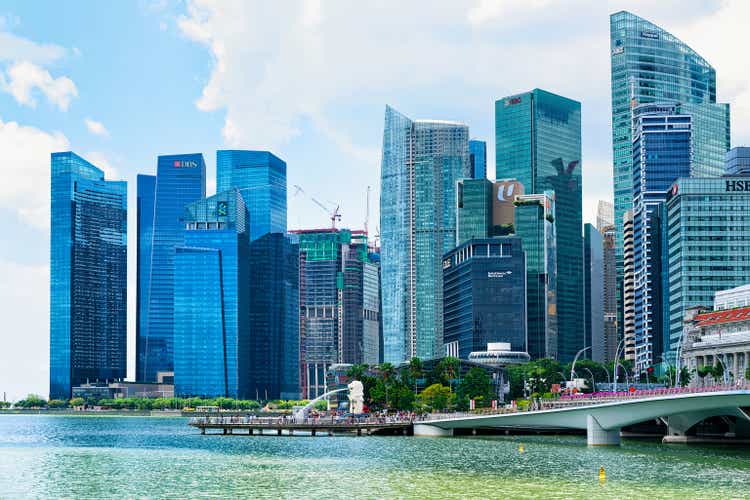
(334, 215)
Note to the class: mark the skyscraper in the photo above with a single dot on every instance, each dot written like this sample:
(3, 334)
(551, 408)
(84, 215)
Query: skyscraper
(179, 180)
(538, 142)
(650, 65)
(662, 152)
(478, 159)
(610, 293)
(738, 161)
(261, 177)
(422, 161)
(88, 275)
(628, 327)
(593, 285)
(605, 215)
(473, 209)
(211, 300)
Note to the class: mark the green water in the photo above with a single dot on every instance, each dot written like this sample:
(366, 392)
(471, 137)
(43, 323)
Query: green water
(96, 457)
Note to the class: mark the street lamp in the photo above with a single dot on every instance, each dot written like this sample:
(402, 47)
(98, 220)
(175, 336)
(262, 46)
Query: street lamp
(726, 372)
(617, 357)
(593, 380)
(573, 366)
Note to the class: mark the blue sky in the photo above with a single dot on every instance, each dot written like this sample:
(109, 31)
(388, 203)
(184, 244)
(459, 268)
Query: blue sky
(122, 82)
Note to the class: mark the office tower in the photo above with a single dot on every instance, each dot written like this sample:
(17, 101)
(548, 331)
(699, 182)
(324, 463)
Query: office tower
(478, 159)
(88, 275)
(422, 162)
(211, 299)
(538, 142)
(474, 209)
(662, 152)
(179, 180)
(610, 293)
(628, 327)
(650, 65)
(738, 161)
(535, 225)
(593, 299)
(274, 317)
(605, 215)
(339, 304)
(484, 294)
(261, 177)
(709, 244)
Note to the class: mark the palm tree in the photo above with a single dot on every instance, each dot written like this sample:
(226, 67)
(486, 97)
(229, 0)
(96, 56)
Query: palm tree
(416, 371)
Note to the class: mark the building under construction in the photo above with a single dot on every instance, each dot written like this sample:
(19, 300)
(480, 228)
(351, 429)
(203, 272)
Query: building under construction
(339, 299)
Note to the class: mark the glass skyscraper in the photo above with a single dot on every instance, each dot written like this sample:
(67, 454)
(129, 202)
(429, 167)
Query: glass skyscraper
(538, 142)
(478, 159)
(650, 65)
(261, 177)
(88, 275)
(474, 209)
(211, 300)
(593, 285)
(179, 180)
(422, 162)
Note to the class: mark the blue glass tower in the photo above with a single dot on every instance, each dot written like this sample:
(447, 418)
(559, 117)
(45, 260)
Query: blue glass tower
(261, 177)
(211, 300)
(180, 180)
(422, 162)
(662, 152)
(538, 142)
(478, 159)
(88, 275)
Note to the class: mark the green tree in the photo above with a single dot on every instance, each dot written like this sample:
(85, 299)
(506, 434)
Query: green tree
(476, 385)
(57, 403)
(685, 376)
(717, 372)
(747, 373)
(436, 397)
(703, 372)
(356, 372)
(31, 401)
(4, 404)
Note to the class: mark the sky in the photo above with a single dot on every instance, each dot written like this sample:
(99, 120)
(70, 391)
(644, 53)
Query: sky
(123, 82)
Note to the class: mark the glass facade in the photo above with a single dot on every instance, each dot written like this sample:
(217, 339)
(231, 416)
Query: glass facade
(478, 159)
(180, 180)
(534, 224)
(474, 209)
(610, 293)
(422, 162)
(261, 177)
(709, 244)
(88, 275)
(738, 161)
(593, 285)
(538, 142)
(211, 300)
(650, 65)
(662, 152)
(484, 283)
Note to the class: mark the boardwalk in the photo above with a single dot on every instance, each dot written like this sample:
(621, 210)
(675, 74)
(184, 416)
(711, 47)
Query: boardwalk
(309, 426)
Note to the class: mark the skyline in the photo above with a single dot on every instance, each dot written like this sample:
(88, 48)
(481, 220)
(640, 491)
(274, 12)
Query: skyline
(89, 113)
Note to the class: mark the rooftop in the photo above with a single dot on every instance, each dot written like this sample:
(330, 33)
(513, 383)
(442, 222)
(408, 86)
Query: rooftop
(725, 316)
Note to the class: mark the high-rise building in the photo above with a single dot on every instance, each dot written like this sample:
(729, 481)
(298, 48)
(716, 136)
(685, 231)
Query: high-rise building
(650, 65)
(628, 327)
(662, 152)
(484, 283)
(261, 177)
(709, 244)
(605, 215)
(474, 209)
(179, 180)
(611, 338)
(738, 161)
(535, 225)
(339, 304)
(211, 299)
(478, 159)
(88, 275)
(593, 286)
(538, 142)
(422, 162)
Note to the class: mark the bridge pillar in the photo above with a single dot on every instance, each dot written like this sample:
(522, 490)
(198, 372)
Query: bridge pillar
(596, 435)
(431, 431)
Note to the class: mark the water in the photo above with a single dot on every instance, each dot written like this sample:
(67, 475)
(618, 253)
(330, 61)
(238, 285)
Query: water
(96, 457)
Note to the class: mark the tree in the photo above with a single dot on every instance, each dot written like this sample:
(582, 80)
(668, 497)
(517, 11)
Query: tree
(703, 372)
(717, 371)
(4, 404)
(31, 401)
(57, 403)
(76, 402)
(436, 397)
(685, 376)
(747, 373)
(356, 372)
(475, 385)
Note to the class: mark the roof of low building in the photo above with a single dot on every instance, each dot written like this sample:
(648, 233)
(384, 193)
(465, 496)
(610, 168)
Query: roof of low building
(724, 316)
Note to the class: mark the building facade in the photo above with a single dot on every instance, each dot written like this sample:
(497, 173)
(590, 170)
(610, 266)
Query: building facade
(628, 327)
(261, 178)
(538, 142)
(478, 159)
(535, 225)
(473, 209)
(593, 286)
(179, 180)
(484, 295)
(709, 243)
(88, 275)
(738, 161)
(611, 338)
(422, 162)
(211, 321)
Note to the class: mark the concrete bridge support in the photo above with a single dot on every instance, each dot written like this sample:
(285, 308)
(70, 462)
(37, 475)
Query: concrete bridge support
(431, 431)
(596, 435)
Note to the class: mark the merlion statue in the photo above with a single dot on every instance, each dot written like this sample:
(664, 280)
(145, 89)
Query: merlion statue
(356, 397)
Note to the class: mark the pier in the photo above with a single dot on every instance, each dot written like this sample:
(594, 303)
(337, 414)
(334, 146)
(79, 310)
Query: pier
(250, 426)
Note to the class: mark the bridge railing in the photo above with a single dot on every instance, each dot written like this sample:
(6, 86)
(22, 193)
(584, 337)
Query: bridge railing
(645, 393)
(313, 420)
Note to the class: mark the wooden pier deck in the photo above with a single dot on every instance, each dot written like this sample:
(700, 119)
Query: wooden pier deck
(234, 426)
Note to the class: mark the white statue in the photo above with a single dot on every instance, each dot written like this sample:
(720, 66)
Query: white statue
(356, 397)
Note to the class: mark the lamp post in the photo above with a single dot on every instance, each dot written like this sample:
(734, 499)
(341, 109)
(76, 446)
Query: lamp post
(573, 366)
(593, 380)
(726, 372)
(617, 357)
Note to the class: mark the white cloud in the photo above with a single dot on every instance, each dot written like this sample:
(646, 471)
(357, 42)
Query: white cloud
(24, 77)
(26, 170)
(15, 48)
(96, 128)
(101, 161)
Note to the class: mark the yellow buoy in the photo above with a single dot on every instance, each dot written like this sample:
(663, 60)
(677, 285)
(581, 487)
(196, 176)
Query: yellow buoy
(602, 475)
(520, 448)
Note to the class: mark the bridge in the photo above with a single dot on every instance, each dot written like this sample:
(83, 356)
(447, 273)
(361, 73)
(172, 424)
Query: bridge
(604, 420)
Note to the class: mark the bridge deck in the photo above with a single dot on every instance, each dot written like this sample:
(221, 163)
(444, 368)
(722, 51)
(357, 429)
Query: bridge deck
(227, 426)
